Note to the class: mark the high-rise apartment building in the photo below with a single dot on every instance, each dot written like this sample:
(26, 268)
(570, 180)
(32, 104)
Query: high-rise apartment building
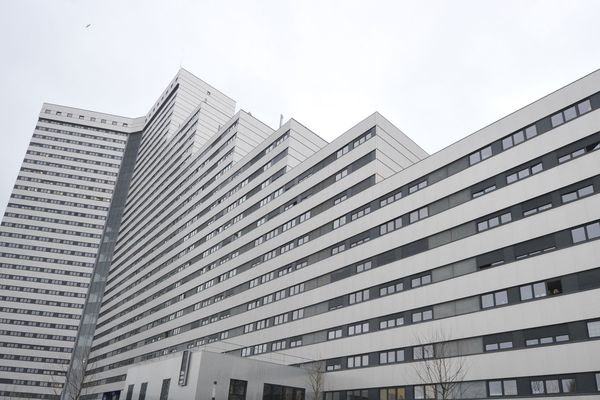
(196, 253)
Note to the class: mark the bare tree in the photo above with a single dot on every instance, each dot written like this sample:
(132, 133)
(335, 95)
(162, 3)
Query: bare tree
(440, 366)
(316, 379)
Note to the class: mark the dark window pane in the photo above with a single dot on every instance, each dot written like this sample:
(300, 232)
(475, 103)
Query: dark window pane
(164, 390)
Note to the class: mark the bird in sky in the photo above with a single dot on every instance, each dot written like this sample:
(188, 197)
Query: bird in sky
(88, 25)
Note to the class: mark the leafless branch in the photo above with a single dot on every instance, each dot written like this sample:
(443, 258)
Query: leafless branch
(315, 375)
(442, 372)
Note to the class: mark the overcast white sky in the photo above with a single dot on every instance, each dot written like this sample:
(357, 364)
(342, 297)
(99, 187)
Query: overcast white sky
(439, 70)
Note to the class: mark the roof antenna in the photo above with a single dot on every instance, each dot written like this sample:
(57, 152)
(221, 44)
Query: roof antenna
(280, 120)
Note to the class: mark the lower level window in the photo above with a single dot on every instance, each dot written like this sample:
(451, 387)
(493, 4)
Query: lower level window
(503, 388)
(357, 395)
(392, 394)
(553, 386)
(164, 390)
(425, 392)
(237, 389)
(277, 392)
(593, 329)
(358, 361)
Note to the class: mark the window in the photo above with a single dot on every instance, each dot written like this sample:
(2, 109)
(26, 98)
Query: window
(129, 395)
(280, 295)
(237, 389)
(524, 173)
(577, 194)
(333, 365)
(494, 222)
(391, 323)
(295, 342)
(390, 199)
(503, 388)
(358, 329)
(584, 107)
(337, 249)
(553, 386)
(357, 394)
(391, 289)
(260, 348)
(425, 392)
(297, 314)
(588, 232)
(341, 174)
(359, 242)
(164, 390)
(278, 345)
(535, 210)
(358, 361)
(484, 191)
(557, 119)
(390, 226)
(359, 296)
(276, 392)
(593, 329)
(420, 281)
(296, 289)
(570, 113)
(339, 199)
(494, 299)
(418, 186)
(304, 216)
(392, 394)
(423, 352)
(568, 385)
(302, 240)
(519, 137)
(288, 225)
(270, 235)
(262, 324)
(280, 319)
(480, 155)
(334, 334)
(546, 340)
(391, 357)
(422, 316)
(499, 346)
(360, 213)
(143, 389)
(533, 291)
(339, 222)
(267, 299)
(287, 247)
(363, 267)
(418, 215)
(343, 151)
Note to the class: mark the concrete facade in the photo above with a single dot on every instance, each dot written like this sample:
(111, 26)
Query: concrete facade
(205, 368)
(365, 256)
